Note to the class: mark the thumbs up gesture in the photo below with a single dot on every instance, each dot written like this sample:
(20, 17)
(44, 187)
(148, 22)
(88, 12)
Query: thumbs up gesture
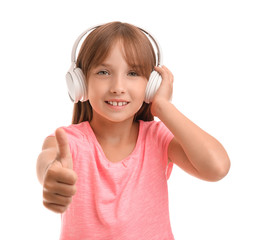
(59, 179)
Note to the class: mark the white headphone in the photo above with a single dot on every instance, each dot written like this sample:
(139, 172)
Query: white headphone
(75, 78)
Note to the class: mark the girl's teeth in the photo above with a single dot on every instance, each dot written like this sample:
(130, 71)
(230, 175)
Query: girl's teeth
(117, 103)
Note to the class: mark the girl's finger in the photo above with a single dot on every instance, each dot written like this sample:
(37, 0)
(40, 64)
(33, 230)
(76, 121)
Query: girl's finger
(165, 73)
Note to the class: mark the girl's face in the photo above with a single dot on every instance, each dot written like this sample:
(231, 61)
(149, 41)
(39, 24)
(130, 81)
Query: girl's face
(115, 90)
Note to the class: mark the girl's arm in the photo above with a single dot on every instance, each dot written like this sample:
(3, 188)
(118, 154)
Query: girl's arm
(192, 149)
(46, 157)
(55, 172)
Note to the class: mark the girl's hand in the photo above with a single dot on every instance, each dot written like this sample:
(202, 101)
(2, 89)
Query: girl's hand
(59, 179)
(165, 90)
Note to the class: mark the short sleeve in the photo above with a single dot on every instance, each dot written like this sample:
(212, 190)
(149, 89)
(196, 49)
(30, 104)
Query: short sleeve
(164, 136)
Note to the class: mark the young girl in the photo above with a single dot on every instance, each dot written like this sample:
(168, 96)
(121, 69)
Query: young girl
(107, 172)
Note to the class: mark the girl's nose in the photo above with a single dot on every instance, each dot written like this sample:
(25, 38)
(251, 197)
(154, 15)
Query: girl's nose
(118, 85)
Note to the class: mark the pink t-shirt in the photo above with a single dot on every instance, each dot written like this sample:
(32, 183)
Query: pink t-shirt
(126, 200)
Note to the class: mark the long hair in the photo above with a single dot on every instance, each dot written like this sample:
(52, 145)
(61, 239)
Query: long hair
(95, 48)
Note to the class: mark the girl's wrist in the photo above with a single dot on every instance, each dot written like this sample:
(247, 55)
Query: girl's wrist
(159, 107)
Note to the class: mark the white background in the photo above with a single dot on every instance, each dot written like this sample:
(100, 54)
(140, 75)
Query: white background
(214, 51)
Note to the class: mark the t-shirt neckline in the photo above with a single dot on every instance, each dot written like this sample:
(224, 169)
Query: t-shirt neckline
(124, 162)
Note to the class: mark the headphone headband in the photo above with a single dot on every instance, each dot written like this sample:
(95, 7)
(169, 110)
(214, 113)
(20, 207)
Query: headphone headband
(73, 55)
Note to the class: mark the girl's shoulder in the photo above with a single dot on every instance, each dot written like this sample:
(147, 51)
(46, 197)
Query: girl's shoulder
(156, 132)
(153, 126)
(77, 131)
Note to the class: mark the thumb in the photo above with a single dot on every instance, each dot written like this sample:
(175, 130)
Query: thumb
(64, 153)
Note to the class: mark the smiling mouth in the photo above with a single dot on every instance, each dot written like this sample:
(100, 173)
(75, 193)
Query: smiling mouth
(120, 104)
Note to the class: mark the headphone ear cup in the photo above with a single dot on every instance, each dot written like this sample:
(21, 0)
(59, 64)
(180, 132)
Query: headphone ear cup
(82, 83)
(77, 89)
(152, 86)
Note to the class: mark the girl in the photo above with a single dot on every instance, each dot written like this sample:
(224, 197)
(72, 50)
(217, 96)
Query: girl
(107, 172)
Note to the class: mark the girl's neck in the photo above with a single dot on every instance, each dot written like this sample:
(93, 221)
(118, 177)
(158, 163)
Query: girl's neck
(114, 132)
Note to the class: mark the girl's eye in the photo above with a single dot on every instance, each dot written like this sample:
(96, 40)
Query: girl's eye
(133, 74)
(103, 73)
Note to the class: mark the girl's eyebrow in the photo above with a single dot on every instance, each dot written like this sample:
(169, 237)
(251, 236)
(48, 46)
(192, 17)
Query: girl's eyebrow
(105, 65)
(136, 66)
(108, 65)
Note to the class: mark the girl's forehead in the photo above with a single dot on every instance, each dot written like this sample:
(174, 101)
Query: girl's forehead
(119, 48)
(116, 46)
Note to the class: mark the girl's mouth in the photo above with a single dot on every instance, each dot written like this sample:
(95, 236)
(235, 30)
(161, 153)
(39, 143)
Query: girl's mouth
(117, 104)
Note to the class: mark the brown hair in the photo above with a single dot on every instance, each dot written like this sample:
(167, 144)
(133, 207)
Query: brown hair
(95, 48)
